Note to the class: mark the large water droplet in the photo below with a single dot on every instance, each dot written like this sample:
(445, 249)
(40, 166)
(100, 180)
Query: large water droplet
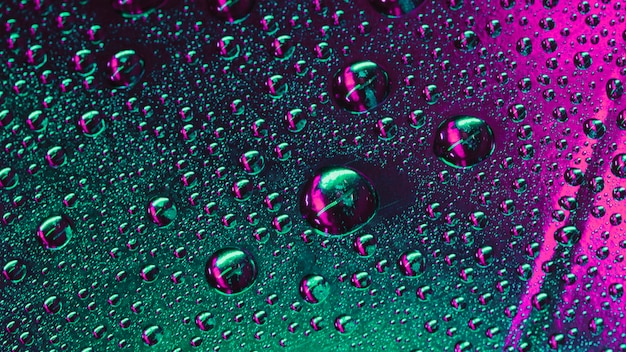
(314, 288)
(567, 236)
(338, 200)
(8, 178)
(162, 211)
(131, 8)
(55, 232)
(125, 69)
(395, 8)
(463, 141)
(231, 10)
(618, 165)
(361, 86)
(14, 270)
(412, 263)
(231, 270)
(91, 123)
(152, 335)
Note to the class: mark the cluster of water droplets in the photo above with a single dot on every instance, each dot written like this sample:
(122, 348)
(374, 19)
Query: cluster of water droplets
(398, 175)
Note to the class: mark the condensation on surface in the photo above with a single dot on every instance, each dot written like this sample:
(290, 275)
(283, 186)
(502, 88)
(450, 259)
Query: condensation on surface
(365, 175)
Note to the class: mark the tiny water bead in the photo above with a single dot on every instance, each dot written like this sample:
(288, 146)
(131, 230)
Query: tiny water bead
(395, 8)
(125, 69)
(231, 270)
(314, 288)
(55, 232)
(463, 141)
(338, 200)
(361, 86)
(162, 211)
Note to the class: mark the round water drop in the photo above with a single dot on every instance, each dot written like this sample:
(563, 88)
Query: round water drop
(582, 60)
(37, 121)
(618, 165)
(338, 200)
(365, 245)
(52, 305)
(162, 211)
(463, 141)
(231, 270)
(8, 178)
(252, 162)
(361, 86)
(55, 232)
(231, 10)
(91, 123)
(395, 8)
(149, 273)
(152, 335)
(314, 288)
(125, 69)
(614, 89)
(567, 236)
(412, 263)
(345, 324)
(205, 321)
(594, 128)
(56, 157)
(467, 41)
(14, 270)
(132, 8)
(621, 120)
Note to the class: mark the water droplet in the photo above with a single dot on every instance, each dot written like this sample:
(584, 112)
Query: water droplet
(618, 165)
(345, 324)
(52, 305)
(594, 128)
(205, 321)
(361, 86)
(365, 245)
(614, 89)
(91, 123)
(231, 11)
(55, 232)
(152, 335)
(567, 236)
(467, 41)
(14, 270)
(131, 8)
(338, 200)
(149, 273)
(8, 178)
(162, 211)
(395, 8)
(463, 141)
(231, 270)
(412, 263)
(582, 60)
(125, 69)
(314, 288)
(56, 157)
